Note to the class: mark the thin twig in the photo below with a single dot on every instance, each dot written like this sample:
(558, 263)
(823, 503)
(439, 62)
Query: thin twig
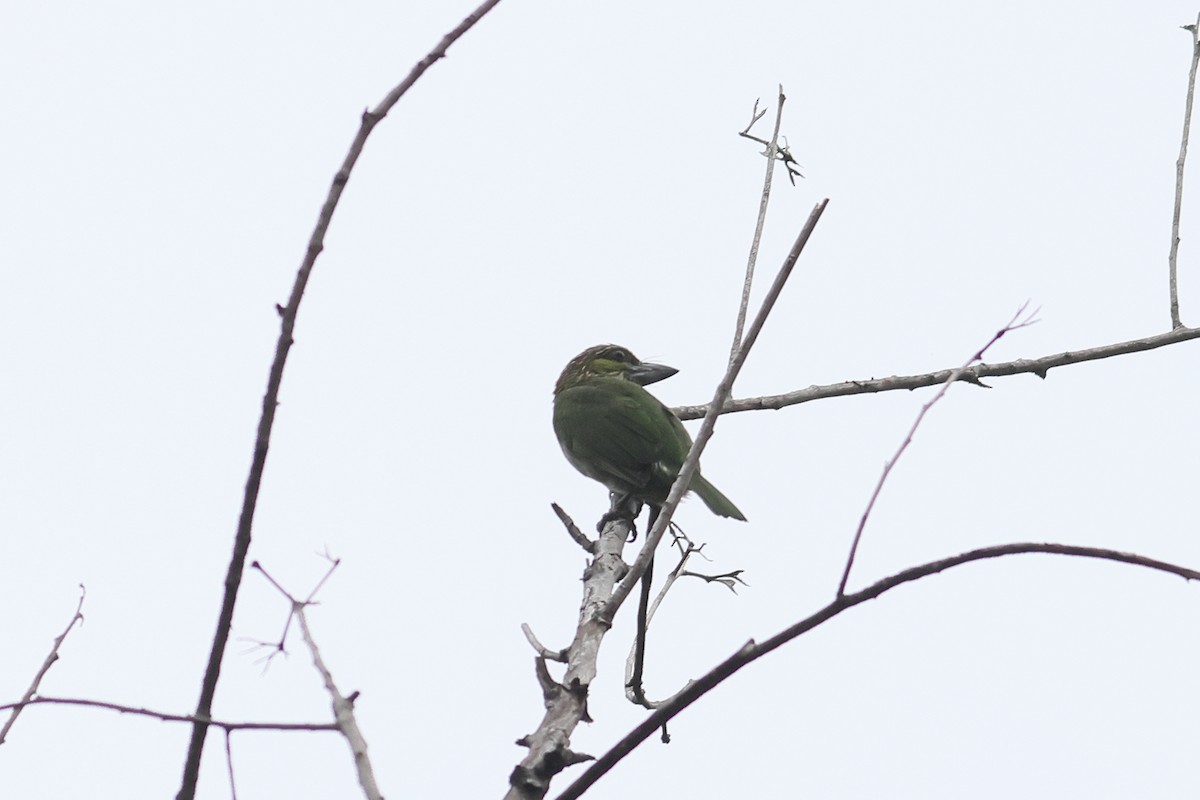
(752, 651)
(720, 397)
(1036, 366)
(168, 717)
(316, 243)
(1173, 259)
(755, 116)
(1013, 324)
(229, 765)
(751, 260)
(729, 580)
(343, 712)
(17, 708)
(635, 662)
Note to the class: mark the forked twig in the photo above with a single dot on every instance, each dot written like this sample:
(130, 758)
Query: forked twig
(343, 706)
(759, 223)
(1017, 321)
(635, 661)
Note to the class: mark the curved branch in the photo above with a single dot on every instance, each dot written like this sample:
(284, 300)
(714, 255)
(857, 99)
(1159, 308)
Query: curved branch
(316, 243)
(1035, 366)
(752, 651)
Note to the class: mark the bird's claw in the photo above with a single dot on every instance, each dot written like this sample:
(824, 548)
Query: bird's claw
(615, 516)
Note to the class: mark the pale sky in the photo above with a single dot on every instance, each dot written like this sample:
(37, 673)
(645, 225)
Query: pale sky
(571, 175)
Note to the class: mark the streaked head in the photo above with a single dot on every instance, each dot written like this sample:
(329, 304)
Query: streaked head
(610, 361)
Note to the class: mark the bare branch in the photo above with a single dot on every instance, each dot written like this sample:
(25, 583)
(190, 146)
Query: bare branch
(729, 580)
(1013, 324)
(1036, 366)
(684, 479)
(17, 708)
(573, 529)
(316, 243)
(229, 767)
(168, 717)
(343, 712)
(755, 116)
(566, 702)
(751, 260)
(635, 661)
(1172, 260)
(541, 649)
(752, 651)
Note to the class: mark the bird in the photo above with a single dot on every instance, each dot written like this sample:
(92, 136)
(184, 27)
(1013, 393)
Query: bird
(614, 431)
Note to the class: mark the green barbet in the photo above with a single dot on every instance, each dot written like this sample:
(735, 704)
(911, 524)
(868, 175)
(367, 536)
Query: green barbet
(614, 431)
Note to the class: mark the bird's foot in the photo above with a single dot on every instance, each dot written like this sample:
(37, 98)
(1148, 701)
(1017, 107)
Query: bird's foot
(624, 507)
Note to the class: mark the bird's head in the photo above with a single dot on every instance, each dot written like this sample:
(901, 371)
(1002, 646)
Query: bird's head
(610, 361)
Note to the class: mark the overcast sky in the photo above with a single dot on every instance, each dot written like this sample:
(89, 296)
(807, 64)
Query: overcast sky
(571, 175)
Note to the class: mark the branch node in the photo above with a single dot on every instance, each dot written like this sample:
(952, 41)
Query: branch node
(541, 649)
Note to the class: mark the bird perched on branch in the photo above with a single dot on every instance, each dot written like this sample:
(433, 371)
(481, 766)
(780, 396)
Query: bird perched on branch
(614, 431)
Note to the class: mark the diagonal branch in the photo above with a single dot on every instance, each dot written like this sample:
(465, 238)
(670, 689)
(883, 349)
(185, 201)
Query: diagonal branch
(316, 243)
(1035, 366)
(684, 479)
(17, 708)
(1013, 324)
(343, 712)
(752, 651)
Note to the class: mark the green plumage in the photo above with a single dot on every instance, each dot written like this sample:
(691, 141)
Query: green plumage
(614, 431)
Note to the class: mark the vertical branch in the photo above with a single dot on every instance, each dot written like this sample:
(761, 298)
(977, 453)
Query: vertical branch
(1172, 260)
(241, 542)
(752, 259)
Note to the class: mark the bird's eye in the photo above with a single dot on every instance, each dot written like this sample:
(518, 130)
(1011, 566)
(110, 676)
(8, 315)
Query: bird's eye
(619, 355)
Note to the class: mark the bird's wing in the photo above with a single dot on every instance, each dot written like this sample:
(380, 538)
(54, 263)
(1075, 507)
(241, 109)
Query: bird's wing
(613, 429)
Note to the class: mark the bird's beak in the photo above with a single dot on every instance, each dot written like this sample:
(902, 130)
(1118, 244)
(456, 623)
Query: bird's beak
(646, 374)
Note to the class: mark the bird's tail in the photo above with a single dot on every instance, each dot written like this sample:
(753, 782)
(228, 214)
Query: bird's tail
(717, 503)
